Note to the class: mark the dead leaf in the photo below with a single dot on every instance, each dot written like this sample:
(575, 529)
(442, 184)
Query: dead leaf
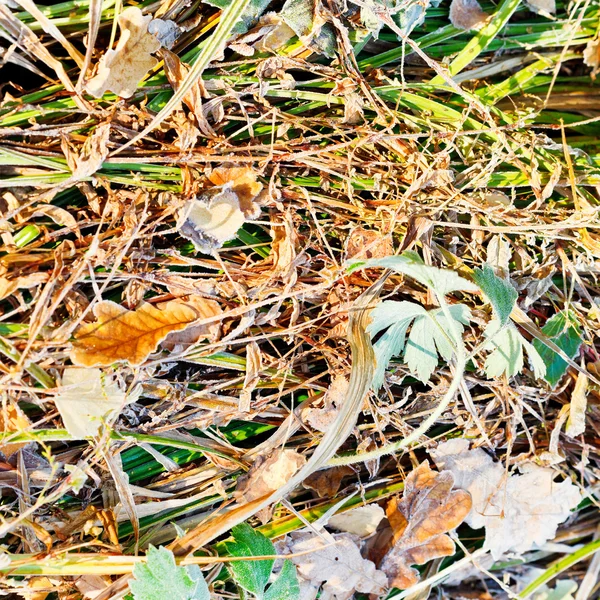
(428, 510)
(86, 397)
(26, 282)
(12, 420)
(326, 482)
(591, 55)
(283, 249)
(183, 339)
(519, 511)
(268, 474)
(467, 14)
(335, 564)
(578, 407)
(541, 6)
(89, 159)
(253, 368)
(128, 335)
(361, 521)
(120, 70)
(215, 217)
(368, 243)
(321, 419)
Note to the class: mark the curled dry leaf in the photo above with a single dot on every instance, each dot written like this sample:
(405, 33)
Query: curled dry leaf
(253, 368)
(542, 6)
(268, 474)
(335, 564)
(25, 282)
(86, 397)
(368, 243)
(326, 482)
(578, 407)
(467, 14)
(215, 217)
(519, 512)
(120, 70)
(321, 419)
(95, 150)
(131, 335)
(12, 420)
(591, 55)
(428, 510)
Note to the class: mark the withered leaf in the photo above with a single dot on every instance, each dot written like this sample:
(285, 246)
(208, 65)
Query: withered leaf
(120, 70)
(12, 420)
(130, 335)
(467, 14)
(215, 217)
(326, 482)
(428, 510)
(85, 397)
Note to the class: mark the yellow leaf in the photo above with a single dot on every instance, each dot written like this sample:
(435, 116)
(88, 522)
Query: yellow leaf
(120, 70)
(12, 420)
(129, 335)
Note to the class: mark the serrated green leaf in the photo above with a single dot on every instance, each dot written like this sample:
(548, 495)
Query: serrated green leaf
(251, 575)
(420, 354)
(501, 294)
(286, 586)
(160, 578)
(441, 281)
(565, 332)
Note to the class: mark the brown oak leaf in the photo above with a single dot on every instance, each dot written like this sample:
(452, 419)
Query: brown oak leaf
(428, 510)
(130, 335)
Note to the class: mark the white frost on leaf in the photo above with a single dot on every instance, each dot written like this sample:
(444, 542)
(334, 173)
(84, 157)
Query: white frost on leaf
(120, 70)
(519, 511)
(87, 397)
(335, 566)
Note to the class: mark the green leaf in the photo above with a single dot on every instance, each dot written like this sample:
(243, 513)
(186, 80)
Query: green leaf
(251, 575)
(441, 281)
(431, 334)
(161, 579)
(506, 357)
(501, 294)
(286, 586)
(299, 16)
(563, 329)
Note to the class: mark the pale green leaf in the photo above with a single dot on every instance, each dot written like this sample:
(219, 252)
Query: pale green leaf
(286, 586)
(506, 357)
(160, 578)
(420, 354)
(441, 281)
(565, 332)
(299, 15)
(501, 294)
(446, 333)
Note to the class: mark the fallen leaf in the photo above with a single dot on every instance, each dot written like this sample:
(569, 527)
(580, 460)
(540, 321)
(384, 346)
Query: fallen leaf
(321, 419)
(428, 510)
(361, 521)
(283, 249)
(591, 55)
(215, 217)
(518, 511)
(120, 70)
(326, 482)
(578, 407)
(183, 339)
(25, 282)
(128, 335)
(85, 162)
(86, 396)
(12, 420)
(268, 474)
(165, 31)
(253, 368)
(368, 243)
(335, 564)
(467, 14)
(542, 6)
